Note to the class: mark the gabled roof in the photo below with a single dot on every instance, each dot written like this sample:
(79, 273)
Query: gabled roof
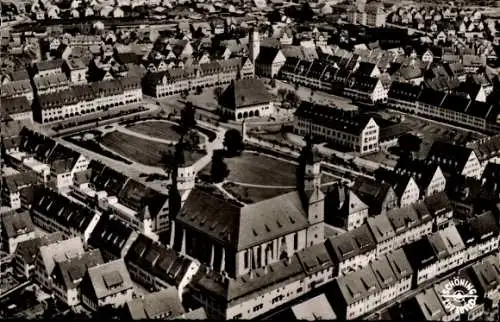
(451, 158)
(358, 285)
(332, 117)
(162, 304)
(69, 272)
(160, 261)
(16, 223)
(351, 243)
(420, 254)
(245, 93)
(381, 228)
(109, 278)
(111, 235)
(242, 227)
(58, 251)
(404, 91)
(71, 215)
(267, 55)
(28, 249)
(138, 197)
(15, 105)
(316, 308)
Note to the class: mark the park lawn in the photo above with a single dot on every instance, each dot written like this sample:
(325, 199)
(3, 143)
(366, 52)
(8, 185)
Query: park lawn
(143, 151)
(255, 168)
(158, 129)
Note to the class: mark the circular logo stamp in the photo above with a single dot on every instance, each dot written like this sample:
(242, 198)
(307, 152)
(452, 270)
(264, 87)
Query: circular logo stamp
(459, 295)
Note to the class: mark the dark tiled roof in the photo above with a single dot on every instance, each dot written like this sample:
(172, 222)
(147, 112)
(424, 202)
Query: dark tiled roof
(404, 91)
(49, 64)
(28, 249)
(70, 271)
(59, 208)
(334, 118)
(350, 244)
(110, 234)
(245, 93)
(140, 198)
(267, 55)
(420, 254)
(17, 223)
(14, 105)
(163, 262)
(451, 158)
(456, 103)
(242, 227)
(431, 97)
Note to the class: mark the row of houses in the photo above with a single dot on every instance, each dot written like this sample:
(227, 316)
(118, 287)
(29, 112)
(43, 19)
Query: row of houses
(86, 99)
(452, 108)
(177, 80)
(431, 303)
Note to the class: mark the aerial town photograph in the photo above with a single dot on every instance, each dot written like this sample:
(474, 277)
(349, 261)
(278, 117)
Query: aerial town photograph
(250, 159)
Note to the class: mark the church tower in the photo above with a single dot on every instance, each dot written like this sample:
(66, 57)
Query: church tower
(253, 46)
(313, 199)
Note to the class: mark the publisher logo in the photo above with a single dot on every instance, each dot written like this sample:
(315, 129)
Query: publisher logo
(459, 295)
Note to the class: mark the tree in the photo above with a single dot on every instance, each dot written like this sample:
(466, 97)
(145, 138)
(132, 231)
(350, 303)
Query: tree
(409, 142)
(293, 99)
(274, 16)
(218, 92)
(188, 119)
(273, 83)
(233, 142)
(219, 169)
(306, 13)
(282, 93)
(199, 90)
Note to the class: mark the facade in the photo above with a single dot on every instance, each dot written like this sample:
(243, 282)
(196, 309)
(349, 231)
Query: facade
(68, 274)
(344, 209)
(17, 227)
(107, 284)
(455, 159)
(130, 201)
(349, 129)
(54, 212)
(453, 108)
(27, 251)
(85, 99)
(49, 254)
(430, 179)
(374, 285)
(13, 185)
(269, 62)
(352, 250)
(215, 73)
(246, 98)
(158, 267)
(16, 108)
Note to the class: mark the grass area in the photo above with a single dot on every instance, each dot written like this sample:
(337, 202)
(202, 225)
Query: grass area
(255, 168)
(158, 129)
(144, 151)
(252, 195)
(205, 100)
(93, 146)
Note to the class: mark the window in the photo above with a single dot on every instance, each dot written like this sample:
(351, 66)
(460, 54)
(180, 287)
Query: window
(246, 259)
(295, 241)
(237, 316)
(258, 307)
